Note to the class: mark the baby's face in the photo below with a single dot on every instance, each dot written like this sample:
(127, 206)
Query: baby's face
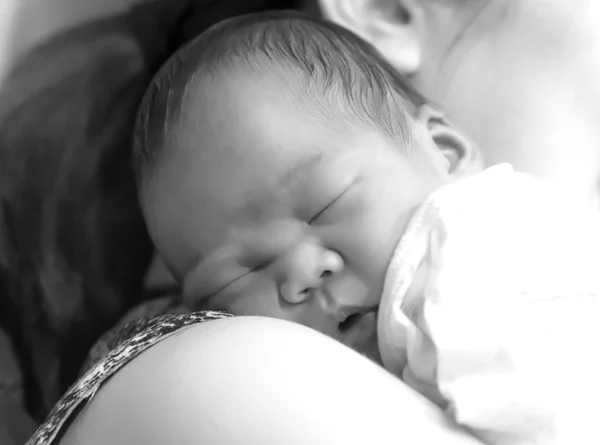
(271, 215)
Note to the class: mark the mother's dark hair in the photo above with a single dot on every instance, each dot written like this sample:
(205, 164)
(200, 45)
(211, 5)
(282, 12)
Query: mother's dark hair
(73, 244)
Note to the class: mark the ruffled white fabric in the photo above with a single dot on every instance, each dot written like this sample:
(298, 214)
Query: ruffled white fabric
(491, 308)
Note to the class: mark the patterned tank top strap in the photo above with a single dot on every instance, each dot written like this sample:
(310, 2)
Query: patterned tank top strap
(145, 334)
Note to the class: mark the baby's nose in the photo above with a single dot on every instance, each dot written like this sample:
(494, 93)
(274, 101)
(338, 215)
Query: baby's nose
(305, 271)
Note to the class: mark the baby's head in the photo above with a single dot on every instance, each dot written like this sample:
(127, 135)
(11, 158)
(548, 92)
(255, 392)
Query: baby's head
(279, 161)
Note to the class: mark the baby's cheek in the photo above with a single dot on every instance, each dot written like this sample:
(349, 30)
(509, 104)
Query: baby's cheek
(251, 295)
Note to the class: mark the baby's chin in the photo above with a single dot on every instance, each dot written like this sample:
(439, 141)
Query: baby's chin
(371, 351)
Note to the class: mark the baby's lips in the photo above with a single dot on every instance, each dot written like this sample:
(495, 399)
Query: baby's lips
(363, 330)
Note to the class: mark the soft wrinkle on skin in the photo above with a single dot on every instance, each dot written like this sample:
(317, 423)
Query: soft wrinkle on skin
(476, 13)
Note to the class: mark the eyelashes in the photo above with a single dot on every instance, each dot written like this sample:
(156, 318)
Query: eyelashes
(326, 208)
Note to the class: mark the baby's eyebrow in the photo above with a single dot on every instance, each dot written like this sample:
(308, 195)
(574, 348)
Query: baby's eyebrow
(300, 173)
(258, 205)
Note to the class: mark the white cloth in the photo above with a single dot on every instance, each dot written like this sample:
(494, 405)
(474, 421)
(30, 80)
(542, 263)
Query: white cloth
(491, 308)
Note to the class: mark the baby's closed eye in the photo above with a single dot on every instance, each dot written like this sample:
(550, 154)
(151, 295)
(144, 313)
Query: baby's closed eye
(325, 212)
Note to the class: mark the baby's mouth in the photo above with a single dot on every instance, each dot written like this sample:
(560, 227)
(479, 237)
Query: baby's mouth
(359, 331)
(350, 322)
(357, 320)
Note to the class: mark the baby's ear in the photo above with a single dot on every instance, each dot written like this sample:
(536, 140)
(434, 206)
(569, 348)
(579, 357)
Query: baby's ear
(461, 153)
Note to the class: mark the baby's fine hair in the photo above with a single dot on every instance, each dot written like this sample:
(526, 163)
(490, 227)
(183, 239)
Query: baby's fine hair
(344, 79)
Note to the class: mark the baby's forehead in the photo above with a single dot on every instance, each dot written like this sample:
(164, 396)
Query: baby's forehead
(246, 175)
(234, 145)
(277, 190)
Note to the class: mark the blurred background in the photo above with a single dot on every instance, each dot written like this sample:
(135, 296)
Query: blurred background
(24, 23)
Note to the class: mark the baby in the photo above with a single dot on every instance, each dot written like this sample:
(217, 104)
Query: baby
(286, 170)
